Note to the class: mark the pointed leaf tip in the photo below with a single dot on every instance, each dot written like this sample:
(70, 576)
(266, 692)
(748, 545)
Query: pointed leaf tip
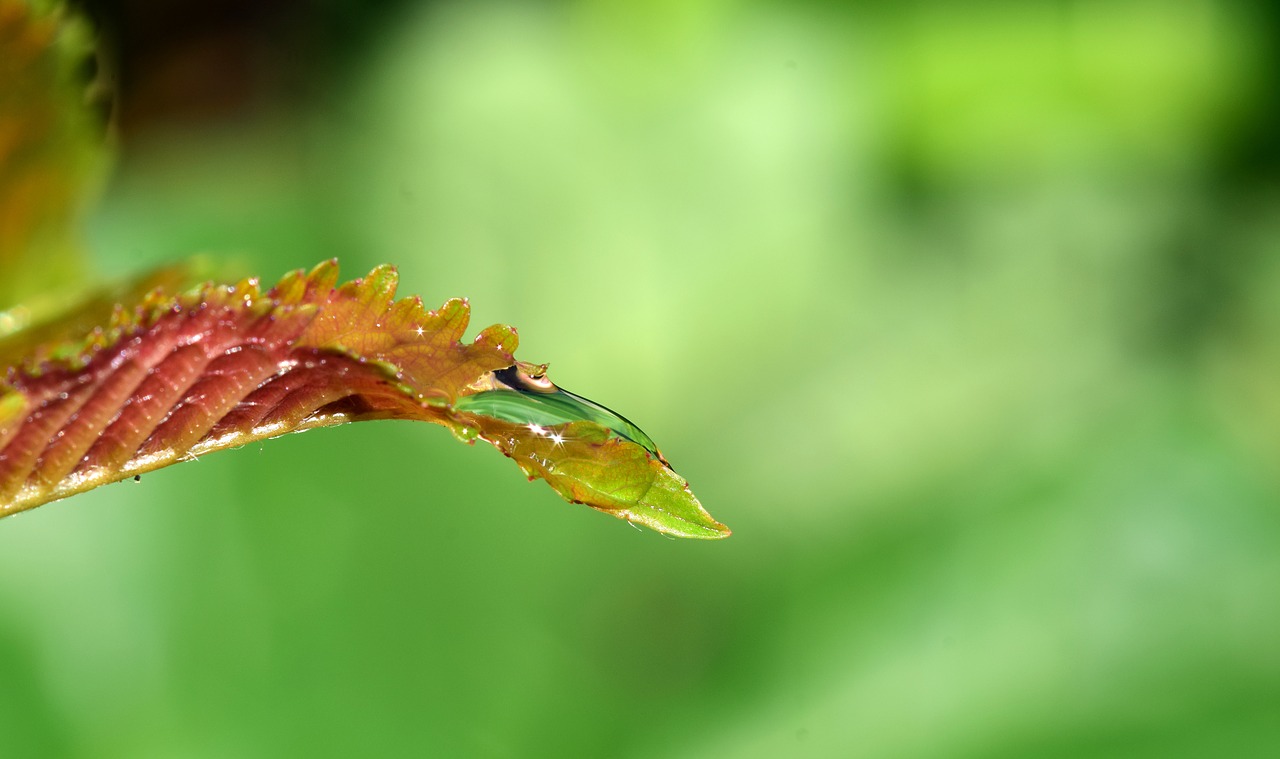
(671, 508)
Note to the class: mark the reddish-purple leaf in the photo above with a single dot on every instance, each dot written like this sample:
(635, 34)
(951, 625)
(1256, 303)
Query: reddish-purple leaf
(174, 377)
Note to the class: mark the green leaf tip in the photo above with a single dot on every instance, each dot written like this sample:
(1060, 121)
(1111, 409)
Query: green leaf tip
(169, 377)
(585, 451)
(589, 464)
(670, 507)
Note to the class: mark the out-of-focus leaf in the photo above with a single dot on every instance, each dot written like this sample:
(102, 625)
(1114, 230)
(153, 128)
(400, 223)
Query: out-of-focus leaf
(175, 377)
(51, 148)
(52, 320)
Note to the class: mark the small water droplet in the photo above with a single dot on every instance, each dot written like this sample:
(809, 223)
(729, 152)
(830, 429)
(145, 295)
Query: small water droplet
(466, 433)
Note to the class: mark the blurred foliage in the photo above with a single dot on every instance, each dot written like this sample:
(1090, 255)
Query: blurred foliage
(51, 134)
(964, 318)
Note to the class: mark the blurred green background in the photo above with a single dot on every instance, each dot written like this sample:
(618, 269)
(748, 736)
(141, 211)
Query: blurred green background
(965, 319)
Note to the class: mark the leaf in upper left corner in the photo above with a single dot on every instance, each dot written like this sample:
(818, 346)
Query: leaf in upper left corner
(52, 147)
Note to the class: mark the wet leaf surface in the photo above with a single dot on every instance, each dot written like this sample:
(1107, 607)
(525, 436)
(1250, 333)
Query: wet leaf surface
(173, 377)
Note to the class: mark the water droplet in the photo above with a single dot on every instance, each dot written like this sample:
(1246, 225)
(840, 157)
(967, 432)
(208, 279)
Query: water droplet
(465, 433)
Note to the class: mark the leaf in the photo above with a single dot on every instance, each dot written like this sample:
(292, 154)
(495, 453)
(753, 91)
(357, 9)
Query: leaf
(174, 377)
(73, 317)
(52, 149)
